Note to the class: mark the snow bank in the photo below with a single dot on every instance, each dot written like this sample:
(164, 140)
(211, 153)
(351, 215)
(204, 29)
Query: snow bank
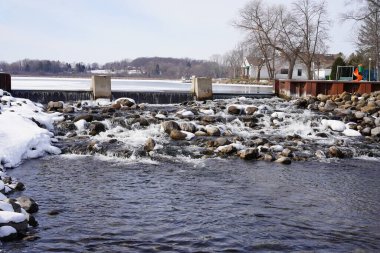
(20, 136)
(6, 217)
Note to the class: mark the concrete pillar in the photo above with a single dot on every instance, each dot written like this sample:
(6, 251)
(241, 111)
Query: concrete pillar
(202, 88)
(101, 86)
(5, 82)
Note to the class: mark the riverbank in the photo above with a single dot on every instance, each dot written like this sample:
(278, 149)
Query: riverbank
(21, 137)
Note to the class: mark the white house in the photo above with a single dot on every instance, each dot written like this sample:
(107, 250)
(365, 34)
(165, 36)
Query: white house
(322, 68)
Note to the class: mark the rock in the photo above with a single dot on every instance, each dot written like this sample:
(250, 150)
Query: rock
(149, 145)
(86, 117)
(213, 131)
(169, 126)
(208, 119)
(8, 233)
(234, 109)
(369, 109)
(301, 103)
(19, 186)
(221, 141)
(375, 131)
(54, 212)
(335, 152)
(143, 122)
(28, 204)
(32, 221)
(320, 154)
(284, 160)
(260, 141)
(359, 115)
(366, 131)
(334, 125)
(322, 97)
(54, 106)
(67, 126)
(177, 135)
(16, 207)
(96, 127)
(228, 149)
(249, 154)
(31, 238)
(346, 96)
(330, 106)
(69, 109)
(287, 153)
(249, 110)
(377, 122)
(200, 133)
(125, 102)
(321, 135)
(188, 127)
(116, 106)
(268, 158)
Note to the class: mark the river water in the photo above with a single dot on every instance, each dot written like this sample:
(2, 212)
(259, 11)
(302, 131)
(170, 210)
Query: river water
(214, 205)
(46, 83)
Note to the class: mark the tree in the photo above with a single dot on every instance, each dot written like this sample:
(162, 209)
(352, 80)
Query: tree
(368, 37)
(260, 22)
(312, 24)
(338, 62)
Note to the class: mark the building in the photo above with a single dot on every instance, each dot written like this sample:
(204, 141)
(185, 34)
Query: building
(322, 68)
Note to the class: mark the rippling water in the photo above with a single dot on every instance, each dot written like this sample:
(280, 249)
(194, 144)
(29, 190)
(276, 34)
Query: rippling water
(203, 206)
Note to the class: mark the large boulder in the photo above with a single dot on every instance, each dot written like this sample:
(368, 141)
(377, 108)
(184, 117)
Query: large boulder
(168, 126)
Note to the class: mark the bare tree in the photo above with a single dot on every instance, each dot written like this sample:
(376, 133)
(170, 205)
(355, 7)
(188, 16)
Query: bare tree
(234, 60)
(312, 24)
(260, 22)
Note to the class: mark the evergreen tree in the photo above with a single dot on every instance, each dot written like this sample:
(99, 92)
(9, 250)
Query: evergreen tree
(338, 62)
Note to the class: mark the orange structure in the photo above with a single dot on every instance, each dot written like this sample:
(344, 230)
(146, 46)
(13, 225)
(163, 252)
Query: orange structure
(358, 75)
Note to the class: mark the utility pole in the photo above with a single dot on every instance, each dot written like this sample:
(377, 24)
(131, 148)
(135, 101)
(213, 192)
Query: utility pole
(369, 70)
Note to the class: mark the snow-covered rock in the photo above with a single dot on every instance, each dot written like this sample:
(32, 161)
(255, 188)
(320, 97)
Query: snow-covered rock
(334, 125)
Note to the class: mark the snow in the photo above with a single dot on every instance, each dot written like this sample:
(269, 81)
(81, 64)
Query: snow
(20, 137)
(7, 231)
(6, 207)
(334, 125)
(81, 124)
(186, 113)
(351, 133)
(207, 112)
(6, 217)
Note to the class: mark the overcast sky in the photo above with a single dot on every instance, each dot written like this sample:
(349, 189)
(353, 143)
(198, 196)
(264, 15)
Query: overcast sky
(108, 30)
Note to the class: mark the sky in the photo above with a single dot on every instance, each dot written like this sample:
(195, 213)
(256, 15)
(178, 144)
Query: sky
(108, 30)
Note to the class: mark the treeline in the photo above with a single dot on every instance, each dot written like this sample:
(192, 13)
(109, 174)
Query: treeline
(144, 67)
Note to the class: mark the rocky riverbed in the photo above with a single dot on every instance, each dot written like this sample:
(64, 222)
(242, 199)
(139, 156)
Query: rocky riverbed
(274, 129)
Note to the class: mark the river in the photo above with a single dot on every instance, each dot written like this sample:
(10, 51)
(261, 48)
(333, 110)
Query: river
(46, 83)
(211, 205)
